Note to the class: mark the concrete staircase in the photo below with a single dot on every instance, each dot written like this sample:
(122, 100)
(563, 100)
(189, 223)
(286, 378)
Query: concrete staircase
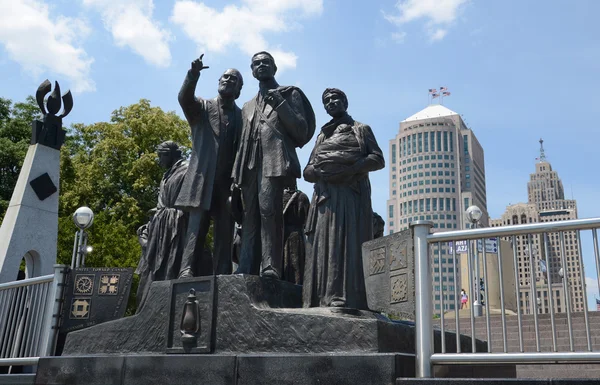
(545, 332)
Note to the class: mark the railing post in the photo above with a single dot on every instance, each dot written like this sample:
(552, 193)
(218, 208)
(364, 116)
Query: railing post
(423, 299)
(52, 314)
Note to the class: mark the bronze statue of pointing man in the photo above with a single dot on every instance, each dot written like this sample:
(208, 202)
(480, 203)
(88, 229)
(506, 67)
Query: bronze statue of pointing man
(215, 126)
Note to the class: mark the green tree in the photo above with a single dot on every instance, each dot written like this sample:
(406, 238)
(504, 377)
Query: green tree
(112, 168)
(15, 136)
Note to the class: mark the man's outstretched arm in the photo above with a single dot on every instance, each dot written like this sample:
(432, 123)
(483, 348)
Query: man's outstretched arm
(189, 103)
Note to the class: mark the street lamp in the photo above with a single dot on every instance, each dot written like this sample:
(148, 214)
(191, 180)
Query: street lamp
(474, 215)
(565, 281)
(83, 219)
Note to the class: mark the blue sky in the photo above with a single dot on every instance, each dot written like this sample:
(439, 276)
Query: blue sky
(517, 70)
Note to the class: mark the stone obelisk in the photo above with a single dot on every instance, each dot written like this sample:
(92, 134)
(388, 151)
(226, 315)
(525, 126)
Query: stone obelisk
(30, 227)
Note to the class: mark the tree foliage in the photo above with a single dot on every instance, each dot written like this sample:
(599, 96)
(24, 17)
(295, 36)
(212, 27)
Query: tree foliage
(112, 168)
(15, 136)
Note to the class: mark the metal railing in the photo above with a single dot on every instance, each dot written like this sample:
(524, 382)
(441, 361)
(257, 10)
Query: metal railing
(424, 242)
(29, 315)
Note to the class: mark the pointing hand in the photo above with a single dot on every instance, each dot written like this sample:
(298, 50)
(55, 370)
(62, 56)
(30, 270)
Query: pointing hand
(197, 64)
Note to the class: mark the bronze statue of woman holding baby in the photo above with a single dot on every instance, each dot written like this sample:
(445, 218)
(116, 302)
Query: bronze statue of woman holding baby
(339, 218)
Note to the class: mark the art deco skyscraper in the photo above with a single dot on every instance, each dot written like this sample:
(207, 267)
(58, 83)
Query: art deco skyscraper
(546, 203)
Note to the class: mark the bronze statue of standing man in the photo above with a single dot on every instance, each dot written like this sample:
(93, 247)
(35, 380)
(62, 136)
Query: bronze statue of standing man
(215, 125)
(275, 122)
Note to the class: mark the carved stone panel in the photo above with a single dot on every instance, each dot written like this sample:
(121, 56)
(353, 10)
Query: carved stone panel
(399, 288)
(390, 284)
(377, 261)
(398, 255)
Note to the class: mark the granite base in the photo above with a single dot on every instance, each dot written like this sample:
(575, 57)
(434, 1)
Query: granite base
(288, 369)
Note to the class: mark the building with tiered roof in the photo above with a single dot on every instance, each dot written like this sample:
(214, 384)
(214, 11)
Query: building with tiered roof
(546, 203)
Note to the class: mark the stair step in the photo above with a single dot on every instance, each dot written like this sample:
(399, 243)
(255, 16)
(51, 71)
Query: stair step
(17, 379)
(586, 373)
(495, 381)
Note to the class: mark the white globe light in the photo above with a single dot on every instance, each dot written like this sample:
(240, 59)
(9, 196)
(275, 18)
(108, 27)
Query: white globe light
(474, 214)
(83, 217)
(89, 249)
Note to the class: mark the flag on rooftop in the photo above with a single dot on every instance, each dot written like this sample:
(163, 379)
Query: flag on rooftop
(432, 90)
(443, 88)
(446, 93)
(433, 96)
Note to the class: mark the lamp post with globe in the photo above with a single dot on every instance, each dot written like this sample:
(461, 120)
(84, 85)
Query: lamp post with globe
(474, 215)
(83, 219)
(565, 281)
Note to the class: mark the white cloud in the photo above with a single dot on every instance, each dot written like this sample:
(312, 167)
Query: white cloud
(438, 34)
(131, 25)
(399, 37)
(243, 26)
(439, 14)
(40, 44)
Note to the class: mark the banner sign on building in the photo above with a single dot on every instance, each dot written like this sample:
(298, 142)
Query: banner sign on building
(491, 246)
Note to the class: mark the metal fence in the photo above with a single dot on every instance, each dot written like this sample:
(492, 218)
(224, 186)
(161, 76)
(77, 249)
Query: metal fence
(426, 245)
(29, 314)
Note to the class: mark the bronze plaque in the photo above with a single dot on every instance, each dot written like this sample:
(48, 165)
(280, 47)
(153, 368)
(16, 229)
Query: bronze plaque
(205, 295)
(94, 295)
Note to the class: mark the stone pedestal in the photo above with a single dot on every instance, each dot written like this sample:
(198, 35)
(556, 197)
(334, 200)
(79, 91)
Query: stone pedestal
(251, 314)
(254, 331)
(257, 369)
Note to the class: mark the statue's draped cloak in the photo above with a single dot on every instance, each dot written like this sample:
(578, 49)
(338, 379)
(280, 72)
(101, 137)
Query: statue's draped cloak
(338, 223)
(166, 234)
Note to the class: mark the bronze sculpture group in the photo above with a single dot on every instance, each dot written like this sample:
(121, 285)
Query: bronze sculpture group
(242, 174)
